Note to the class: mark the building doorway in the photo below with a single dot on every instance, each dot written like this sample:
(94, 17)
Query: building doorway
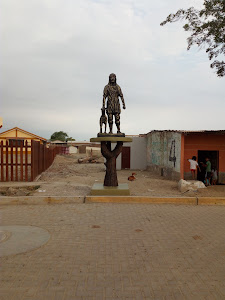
(125, 160)
(212, 155)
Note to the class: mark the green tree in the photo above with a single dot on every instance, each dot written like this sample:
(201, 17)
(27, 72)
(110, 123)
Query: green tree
(207, 27)
(59, 135)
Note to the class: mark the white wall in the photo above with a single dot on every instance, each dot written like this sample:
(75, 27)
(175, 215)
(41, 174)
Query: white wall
(73, 149)
(138, 154)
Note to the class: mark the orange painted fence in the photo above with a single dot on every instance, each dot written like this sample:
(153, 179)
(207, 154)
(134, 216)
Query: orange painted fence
(25, 162)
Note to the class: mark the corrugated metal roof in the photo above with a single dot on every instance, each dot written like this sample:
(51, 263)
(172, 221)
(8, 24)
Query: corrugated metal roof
(190, 131)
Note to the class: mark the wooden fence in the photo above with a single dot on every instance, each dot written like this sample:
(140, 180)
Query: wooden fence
(25, 162)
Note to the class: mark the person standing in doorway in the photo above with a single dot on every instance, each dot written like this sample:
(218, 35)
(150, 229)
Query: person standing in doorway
(208, 171)
(193, 167)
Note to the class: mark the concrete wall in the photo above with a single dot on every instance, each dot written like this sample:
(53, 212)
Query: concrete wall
(164, 153)
(138, 158)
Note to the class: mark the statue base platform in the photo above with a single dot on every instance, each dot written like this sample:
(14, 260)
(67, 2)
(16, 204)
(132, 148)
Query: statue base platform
(112, 139)
(111, 134)
(99, 189)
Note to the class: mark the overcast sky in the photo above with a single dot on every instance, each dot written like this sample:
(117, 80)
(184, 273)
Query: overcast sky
(56, 56)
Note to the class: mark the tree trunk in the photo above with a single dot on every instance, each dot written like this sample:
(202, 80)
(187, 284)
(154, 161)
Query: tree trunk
(111, 156)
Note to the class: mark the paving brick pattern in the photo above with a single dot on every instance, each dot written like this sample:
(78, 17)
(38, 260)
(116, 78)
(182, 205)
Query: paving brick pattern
(118, 251)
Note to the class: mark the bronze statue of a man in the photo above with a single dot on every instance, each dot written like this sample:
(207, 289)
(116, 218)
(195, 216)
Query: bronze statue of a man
(112, 92)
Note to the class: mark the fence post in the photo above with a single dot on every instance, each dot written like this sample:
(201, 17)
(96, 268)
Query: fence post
(11, 161)
(2, 162)
(21, 162)
(32, 160)
(7, 160)
(16, 160)
(26, 161)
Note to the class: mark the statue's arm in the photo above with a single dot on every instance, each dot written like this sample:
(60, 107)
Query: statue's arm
(104, 97)
(121, 97)
(103, 102)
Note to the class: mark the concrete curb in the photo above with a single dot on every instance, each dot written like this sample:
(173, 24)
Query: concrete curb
(157, 200)
(211, 201)
(141, 199)
(43, 200)
(40, 200)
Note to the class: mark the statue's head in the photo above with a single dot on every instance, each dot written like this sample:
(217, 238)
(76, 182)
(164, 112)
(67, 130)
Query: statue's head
(112, 79)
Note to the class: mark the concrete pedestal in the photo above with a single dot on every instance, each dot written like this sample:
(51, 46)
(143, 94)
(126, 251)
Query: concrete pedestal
(99, 189)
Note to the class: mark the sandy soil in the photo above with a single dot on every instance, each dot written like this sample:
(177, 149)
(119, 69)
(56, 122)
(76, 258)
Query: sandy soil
(67, 177)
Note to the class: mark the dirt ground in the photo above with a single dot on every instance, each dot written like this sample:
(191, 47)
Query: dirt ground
(67, 177)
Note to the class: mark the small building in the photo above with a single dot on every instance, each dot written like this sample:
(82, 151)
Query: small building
(18, 136)
(84, 147)
(81, 147)
(168, 151)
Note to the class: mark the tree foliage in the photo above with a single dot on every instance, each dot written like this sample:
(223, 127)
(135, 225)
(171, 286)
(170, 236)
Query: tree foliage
(59, 135)
(207, 27)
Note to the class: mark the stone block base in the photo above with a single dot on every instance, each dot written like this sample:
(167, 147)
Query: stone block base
(99, 189)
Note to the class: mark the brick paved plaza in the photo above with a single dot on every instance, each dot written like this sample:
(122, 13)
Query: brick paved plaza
(118, 251)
